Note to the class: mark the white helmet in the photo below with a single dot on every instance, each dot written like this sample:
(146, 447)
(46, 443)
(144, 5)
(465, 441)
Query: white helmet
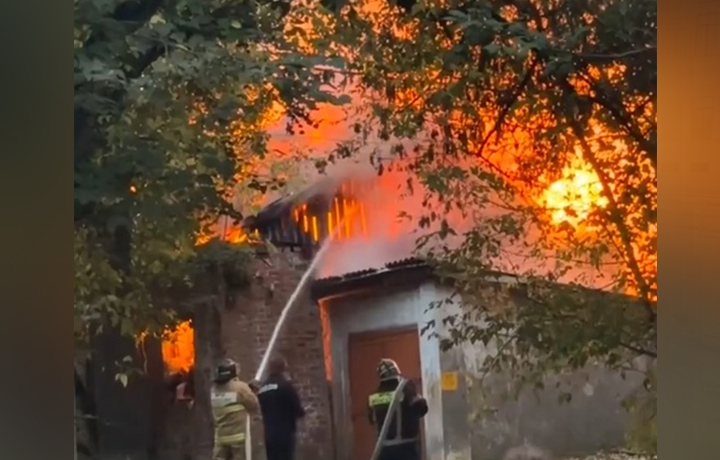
(388, 370)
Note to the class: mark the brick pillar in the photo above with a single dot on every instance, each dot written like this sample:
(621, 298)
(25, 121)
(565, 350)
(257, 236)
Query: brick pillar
(246, 329)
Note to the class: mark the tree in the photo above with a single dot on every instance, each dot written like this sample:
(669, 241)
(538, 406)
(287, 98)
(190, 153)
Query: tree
(543, 114)
(170, 105)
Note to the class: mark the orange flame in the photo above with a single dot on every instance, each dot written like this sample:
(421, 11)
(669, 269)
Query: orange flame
(316, 232)
(327, 339)
(330, 223)
(347, 216)
(233, 235)
(363, 222)
(178, 348)
(571, 198)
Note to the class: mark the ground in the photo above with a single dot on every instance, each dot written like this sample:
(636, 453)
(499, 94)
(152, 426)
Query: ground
(615, 456)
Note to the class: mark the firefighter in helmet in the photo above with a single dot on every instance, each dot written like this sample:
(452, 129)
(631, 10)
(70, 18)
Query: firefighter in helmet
(402, 441)
(232, 400)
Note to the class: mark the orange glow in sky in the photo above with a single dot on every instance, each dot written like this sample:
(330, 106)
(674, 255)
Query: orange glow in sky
(572, 197)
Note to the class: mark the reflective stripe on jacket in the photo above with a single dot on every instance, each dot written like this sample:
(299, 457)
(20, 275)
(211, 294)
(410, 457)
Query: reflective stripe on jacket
(230, 416)
(379, 406)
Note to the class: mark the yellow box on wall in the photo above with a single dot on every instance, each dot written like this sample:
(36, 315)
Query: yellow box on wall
(449, 381)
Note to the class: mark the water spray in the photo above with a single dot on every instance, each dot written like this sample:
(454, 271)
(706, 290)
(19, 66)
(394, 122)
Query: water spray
(281, 321)
(276, 332)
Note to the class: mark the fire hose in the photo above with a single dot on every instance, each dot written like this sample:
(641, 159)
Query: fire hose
(273, 339)
(281, 321)
(386, 424)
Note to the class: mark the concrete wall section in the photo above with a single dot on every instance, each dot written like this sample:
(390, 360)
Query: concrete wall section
(456, 430)
(592, 420)
(456, 403)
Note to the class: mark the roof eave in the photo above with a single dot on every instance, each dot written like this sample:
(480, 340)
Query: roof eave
(412, 272)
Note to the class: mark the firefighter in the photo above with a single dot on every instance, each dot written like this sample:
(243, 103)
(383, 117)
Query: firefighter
(402, 441)
(232, 400)
(281, 408)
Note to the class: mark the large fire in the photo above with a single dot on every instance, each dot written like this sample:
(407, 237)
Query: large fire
(229, 232)
(178, 348)
(347, 217)
(572, 197)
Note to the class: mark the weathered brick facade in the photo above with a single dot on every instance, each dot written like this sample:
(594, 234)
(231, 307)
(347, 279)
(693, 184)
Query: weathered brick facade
(247, 324)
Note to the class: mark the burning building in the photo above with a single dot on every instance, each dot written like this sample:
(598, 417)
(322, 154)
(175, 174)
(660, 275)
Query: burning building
(370, 300)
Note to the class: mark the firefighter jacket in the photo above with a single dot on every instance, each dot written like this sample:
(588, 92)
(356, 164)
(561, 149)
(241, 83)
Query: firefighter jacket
(405, 423)
(231, 403)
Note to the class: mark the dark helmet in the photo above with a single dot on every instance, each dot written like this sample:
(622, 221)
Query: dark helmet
(226, 370)
(388, 370)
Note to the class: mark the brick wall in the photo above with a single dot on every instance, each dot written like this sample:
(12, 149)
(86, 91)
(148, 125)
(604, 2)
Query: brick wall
(247, 325)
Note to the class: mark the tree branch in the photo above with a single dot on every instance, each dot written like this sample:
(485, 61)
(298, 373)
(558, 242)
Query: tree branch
(589, 57)
(614, 214)
(624, 120)
(562, 317)
(132, 14)
(639, 350)
(144, 61)
(508, 105)
(136, 11)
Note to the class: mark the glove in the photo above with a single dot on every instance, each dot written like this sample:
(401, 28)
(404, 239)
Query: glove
(410, 390)
(255, 385)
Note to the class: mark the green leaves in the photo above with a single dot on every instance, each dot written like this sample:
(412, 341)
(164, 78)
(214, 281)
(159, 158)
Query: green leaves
(504, 106)
(171, 104)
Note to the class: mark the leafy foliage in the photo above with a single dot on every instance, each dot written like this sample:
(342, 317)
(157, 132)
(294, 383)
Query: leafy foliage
(507, 101)
(534, 123)
(171, 104)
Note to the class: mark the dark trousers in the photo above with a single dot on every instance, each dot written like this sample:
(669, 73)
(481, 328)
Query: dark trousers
(409, 451)
(280, 448)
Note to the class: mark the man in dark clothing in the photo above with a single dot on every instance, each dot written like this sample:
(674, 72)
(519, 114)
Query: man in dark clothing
(281, 408)
(402, 441)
